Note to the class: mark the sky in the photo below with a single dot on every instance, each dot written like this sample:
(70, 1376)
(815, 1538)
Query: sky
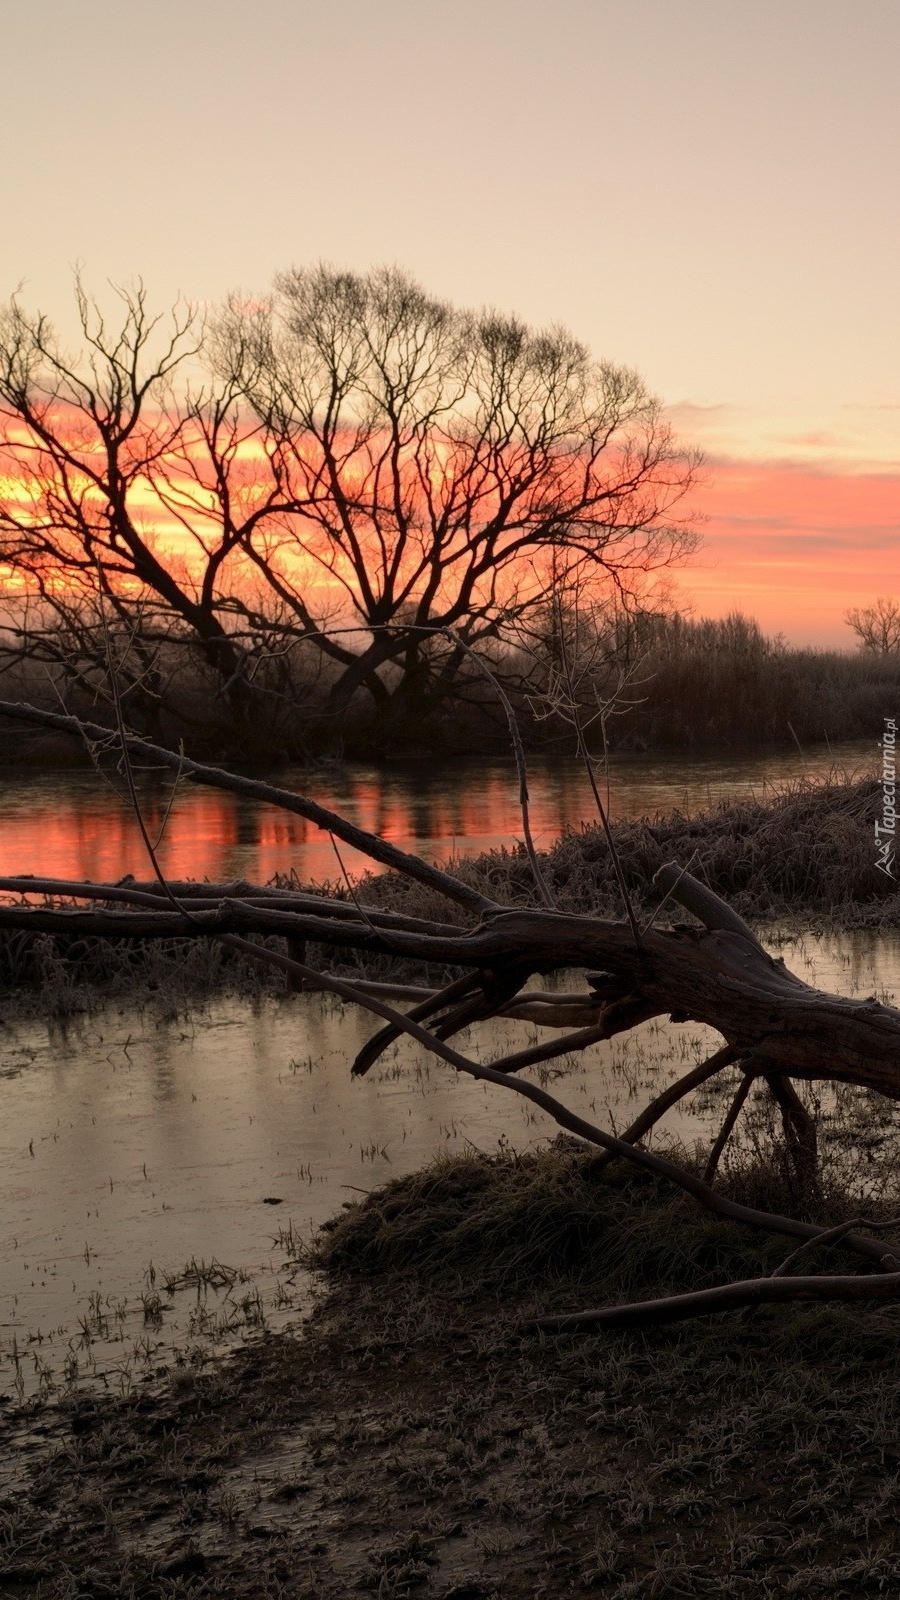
(705, 190)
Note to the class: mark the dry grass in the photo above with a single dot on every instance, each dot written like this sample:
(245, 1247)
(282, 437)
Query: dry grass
(718, 683)
(804, 859)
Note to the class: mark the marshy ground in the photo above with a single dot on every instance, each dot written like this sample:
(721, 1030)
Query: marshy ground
(417, 1436)
(803, 859)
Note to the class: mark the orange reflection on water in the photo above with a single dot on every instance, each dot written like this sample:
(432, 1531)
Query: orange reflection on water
(72, 825)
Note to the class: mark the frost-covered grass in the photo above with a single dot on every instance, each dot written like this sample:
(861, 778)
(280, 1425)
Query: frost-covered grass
(803, 859)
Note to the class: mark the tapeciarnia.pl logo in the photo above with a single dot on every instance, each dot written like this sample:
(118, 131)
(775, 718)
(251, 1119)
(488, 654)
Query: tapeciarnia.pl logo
(887, 827)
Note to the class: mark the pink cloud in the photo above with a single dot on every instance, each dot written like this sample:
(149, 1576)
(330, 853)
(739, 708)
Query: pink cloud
(795, 545)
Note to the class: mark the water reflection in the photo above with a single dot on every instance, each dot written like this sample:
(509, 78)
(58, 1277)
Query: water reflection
(129, 1145)
(76, 825)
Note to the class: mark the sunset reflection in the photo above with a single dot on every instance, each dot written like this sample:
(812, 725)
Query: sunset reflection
(72, 825)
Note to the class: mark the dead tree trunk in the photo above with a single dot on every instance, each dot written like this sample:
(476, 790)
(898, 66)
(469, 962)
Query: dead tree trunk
(777, 1025)
(774, 1026)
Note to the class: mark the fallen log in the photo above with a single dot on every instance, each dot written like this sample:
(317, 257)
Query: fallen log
(774, 1023)
(712, 976)
(774, 1026)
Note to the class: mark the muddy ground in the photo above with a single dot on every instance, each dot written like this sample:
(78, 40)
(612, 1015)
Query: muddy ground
(419, 1437)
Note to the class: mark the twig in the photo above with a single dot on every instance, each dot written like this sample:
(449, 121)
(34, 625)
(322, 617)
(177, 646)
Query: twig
(360, 909)
(171, 801)
(129, 774)
(584, 753)
(724, 1134)
(521, 766)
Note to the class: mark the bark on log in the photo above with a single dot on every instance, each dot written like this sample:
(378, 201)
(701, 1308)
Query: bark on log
(712, 976)
(775, 1026)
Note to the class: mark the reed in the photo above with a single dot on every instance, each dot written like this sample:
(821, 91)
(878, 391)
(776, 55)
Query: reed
(691, 684)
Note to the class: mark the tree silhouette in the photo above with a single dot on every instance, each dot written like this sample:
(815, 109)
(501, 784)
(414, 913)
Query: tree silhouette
(877, 626)
(350, 467)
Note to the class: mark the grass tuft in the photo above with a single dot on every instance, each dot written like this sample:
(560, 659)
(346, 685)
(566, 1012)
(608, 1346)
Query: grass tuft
(555, 1219)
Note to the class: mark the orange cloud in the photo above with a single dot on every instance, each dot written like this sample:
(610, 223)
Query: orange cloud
(794, 544)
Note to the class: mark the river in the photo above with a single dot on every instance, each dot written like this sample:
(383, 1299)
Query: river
(135, 1145)
(76, 825)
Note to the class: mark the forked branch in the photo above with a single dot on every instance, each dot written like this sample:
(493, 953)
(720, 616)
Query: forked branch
(774, 1026)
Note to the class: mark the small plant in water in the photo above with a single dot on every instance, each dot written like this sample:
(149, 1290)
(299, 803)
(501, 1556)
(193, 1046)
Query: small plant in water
(152, 1307)
(202, 1276)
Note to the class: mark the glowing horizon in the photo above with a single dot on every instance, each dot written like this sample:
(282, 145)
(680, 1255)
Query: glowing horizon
(790, 542)
(803, 522)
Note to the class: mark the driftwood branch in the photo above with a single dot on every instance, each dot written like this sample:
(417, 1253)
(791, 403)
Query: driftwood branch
(715, 977)
(726, 1297)
(773, 1025)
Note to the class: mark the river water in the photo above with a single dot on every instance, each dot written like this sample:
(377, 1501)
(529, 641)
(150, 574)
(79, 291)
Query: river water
(137, 1150)
(76, 825)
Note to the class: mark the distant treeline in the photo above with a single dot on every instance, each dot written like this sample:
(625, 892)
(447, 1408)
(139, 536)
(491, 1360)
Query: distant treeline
(647, 681)
(714, 683)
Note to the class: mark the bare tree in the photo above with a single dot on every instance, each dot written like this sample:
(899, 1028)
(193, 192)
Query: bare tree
(439, 463)
(350, 467)
(128, 487)
(877, 627)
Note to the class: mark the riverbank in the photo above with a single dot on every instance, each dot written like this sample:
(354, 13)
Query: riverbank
(677, 684)
(418, 1436)
(803, 860)
(804, 856)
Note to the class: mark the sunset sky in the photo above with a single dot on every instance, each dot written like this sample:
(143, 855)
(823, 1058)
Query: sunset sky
(706, 190)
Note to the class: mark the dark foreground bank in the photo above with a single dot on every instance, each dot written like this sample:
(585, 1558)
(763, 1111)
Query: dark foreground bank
(418, 1437)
